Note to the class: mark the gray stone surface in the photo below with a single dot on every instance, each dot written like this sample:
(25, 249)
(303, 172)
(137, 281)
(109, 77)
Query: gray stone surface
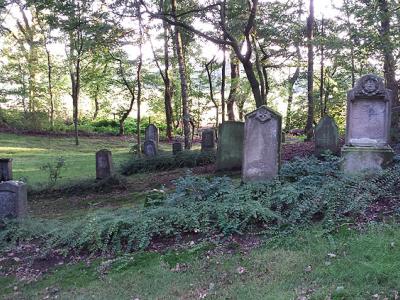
(361, 159)
(368, 113)
(326, 136)
(6, 169)
(176, 147)
(104, 165)
(208, 139)
(262, 145)
(230, 146)
(152, 134)
(150, 148)
(13, 199)
(368, 126)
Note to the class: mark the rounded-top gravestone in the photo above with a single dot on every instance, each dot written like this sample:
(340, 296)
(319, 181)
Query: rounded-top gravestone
(176, 147)
(208, 139)
(326, 136)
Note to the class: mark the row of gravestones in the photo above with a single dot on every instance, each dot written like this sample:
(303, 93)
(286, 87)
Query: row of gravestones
(150, 146)
(255, 146)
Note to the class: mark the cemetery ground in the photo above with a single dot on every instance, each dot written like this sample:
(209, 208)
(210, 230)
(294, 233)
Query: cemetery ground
(346, 260)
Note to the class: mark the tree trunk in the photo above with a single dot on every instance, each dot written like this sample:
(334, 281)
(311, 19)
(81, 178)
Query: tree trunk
(50, 87)
(139, 82)
(255, 85)
(291, 83)
(167, 81)
(182, 75)
(96, 103)
(209, 73)
(310, 73)
(259, 71)
(223, 68)
(389, 61)
(322, 73)
(234, 89)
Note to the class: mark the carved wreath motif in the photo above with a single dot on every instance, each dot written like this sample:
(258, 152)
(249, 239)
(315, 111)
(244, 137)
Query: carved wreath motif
(263, 115)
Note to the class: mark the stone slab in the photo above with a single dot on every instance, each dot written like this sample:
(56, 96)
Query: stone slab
(326, 136)
(6, 169)
(364, 159)
(230, 146)
(104, 164)
(13, 199)
(150, 148)
(208, 139)
(152, 133)
(262, 145)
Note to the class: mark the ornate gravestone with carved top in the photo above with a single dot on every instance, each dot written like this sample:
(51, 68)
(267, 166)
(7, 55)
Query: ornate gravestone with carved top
(262, 145)
(368, 126)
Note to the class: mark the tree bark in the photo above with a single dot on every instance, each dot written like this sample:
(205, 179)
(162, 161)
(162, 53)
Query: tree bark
(223, 68)
(389, 66)
(182, 75)
(209, 75)
(310, 73)
(139, 81)
(234, 88)
(322, 72)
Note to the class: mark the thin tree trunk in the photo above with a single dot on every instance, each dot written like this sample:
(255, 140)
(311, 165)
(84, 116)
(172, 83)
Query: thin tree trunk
(50, 87)
(209, 73)
(234, 88)
(259, 71)
(322, 72)
(223, 68)
(310, 73)
(182, 75)
(139, 81)
(291, 83)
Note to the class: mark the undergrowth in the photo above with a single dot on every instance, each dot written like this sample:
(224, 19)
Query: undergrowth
(307, 191)
(165, 162)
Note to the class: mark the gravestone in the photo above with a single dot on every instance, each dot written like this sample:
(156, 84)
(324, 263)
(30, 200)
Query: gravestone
(104, 165)
(176, 147)
(13, 199)
(326, 136)
(150, 148)
(6, 169)
(368, 126)
(208, 140)
(230, 146)
(262, 145)
(152, 134)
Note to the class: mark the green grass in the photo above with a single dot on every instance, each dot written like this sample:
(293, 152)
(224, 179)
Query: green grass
(365, 264)
(29, 153)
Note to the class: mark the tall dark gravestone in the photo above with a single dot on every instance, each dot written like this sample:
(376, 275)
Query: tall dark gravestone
(326, 136)
(104, 164)
(230, 146)
(368, 126)
(262, 145)
(6, 169)
(176, 147)
(208, 140)
(152, 134)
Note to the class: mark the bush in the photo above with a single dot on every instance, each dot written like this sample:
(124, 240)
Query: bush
(216, 205)
(165, 162)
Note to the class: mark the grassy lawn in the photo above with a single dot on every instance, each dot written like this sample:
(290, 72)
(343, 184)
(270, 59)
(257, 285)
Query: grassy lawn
(345, 265)
(29, 153)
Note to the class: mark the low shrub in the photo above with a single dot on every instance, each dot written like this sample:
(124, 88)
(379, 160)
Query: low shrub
(217, 206)
(165, 162)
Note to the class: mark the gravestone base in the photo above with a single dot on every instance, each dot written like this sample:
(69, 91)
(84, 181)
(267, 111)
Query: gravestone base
(359, 159)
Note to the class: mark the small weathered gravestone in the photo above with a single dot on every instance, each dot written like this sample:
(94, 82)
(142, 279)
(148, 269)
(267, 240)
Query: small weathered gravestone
(208, 140)
(176, 147)
(152, 134)
(104, 165)
(150, 148)
(13, 199)
(230, 146)
(262, 145)
(326, 136)
(6, 169)
(368, 126)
